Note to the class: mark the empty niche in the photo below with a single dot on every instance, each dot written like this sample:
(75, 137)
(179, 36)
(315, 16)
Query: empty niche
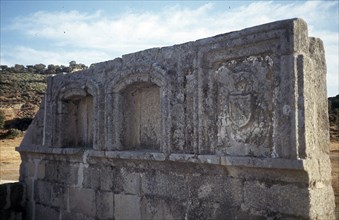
(141, 117)
(77, 121)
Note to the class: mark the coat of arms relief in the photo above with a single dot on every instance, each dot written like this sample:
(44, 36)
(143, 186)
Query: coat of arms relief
(245, 107)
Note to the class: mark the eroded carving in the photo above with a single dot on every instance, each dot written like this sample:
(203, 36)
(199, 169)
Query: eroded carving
(244, 102)
(141, 116)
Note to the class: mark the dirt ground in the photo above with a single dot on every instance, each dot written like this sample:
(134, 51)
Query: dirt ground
(9, 160)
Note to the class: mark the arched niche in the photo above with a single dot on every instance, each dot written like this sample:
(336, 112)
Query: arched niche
(141, 123)
(137, 112)
(75, 118)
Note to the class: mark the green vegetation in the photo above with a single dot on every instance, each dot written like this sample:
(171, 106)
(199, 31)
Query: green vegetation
(41, 68)
(2, 119)
(11, 134)
(18, 123)
(22, 88)
(333, 109)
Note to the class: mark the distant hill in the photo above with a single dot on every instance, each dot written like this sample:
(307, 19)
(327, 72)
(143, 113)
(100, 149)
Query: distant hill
(23, 87)
(21, 93)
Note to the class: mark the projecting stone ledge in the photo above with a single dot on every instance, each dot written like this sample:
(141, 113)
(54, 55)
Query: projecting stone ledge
(228, 127)
(274, 163)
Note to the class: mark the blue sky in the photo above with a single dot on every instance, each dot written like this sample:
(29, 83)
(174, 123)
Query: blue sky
(56, 32)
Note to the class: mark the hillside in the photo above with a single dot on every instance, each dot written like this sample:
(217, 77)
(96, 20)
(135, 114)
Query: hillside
(21, 94)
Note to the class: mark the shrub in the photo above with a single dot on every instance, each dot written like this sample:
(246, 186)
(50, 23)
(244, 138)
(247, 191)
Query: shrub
(2, 119)
(12, 133)
(19, 123)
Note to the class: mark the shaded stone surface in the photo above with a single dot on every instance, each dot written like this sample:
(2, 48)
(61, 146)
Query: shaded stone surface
(225, 127)
(12, 201)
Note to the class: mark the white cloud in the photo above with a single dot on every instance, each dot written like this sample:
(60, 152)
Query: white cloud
(104, 36)
(28, 56)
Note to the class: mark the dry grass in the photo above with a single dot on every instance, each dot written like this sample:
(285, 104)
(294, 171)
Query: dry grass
(9, 159)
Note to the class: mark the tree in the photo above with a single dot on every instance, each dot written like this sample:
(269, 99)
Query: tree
(76, 67)
(19, 68)
(3, 68)
(39, 68)
(51, 69)
(65, 69)
(30, 68)
(72, 63)
(2, 119)
(10, 70)
(58, 69)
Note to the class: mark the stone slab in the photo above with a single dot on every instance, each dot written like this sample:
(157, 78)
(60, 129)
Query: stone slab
(82, 200)
(126, 207)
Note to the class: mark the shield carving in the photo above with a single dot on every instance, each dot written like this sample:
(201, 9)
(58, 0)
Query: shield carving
(240, 109)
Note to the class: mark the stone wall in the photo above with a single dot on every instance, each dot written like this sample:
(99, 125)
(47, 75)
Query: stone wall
(232, 126)
(12, 201)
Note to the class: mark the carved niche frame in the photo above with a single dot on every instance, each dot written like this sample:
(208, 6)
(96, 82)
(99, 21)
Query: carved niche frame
(65, 92)
(114, 109)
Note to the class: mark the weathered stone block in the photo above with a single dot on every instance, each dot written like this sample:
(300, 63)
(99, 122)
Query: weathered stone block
(51, 171)
(106, 178)
(74, 216)
(127, 181)
(42, 192)
(41, 170)
(59, 196)
(224, 190)
(321, 191)
(204, 210)
(91, 178)
(30, 169)
(29, 188)
(104, 205)
(165, 185)
(285, 199)
(157, 208)
(68, 174)
(126, 207)
(82, 201)
(44, 212)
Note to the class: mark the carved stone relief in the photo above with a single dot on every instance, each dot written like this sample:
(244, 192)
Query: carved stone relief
(244, 101)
